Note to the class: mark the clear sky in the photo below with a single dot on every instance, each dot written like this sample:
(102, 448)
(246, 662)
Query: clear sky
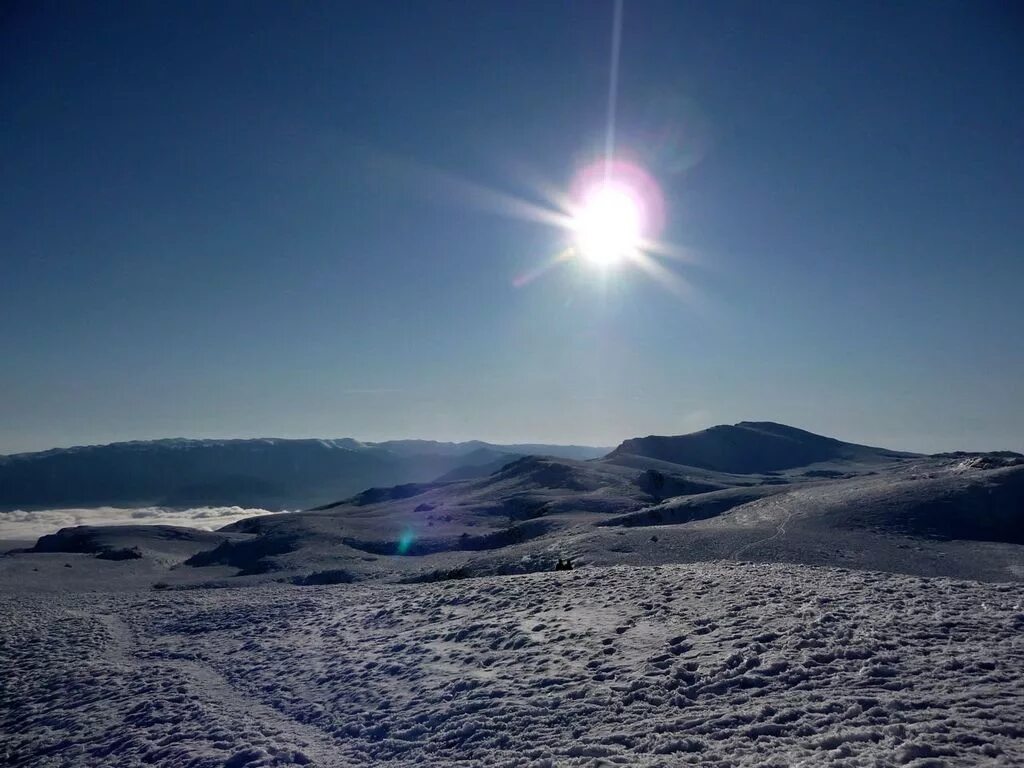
(247, 219)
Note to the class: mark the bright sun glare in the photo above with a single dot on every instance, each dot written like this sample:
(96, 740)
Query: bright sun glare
(607, 224)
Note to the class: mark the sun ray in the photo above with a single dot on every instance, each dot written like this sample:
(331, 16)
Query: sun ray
(613, 88)
(666, 278)
(434, 182)
(670, 251)
(528, 277)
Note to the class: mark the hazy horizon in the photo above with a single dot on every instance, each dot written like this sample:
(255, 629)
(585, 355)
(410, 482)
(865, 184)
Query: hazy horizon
(894, 442)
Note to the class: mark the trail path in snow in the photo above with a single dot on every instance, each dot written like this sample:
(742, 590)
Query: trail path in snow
(181, 707)
(779, 532)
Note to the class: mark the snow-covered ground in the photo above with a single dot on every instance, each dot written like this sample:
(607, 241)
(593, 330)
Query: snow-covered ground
(712, 664)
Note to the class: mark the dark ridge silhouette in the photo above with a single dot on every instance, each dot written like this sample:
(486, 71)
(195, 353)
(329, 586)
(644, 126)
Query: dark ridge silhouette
(661, 486)
(394, 493)
(476, 471)
(318, 578)
(752, 447)
(545, 472)
(127, 542)
(250, 556)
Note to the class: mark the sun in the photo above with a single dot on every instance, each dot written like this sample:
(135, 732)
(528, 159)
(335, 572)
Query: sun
(612, 215)
(608, 224)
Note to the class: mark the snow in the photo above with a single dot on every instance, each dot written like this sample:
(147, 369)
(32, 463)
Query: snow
(711, 664)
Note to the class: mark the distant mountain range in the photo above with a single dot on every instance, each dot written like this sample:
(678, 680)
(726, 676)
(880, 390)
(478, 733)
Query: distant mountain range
(269, 473)
(754, 490)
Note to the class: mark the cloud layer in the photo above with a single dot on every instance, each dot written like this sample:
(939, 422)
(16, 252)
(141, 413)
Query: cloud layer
(21, 524)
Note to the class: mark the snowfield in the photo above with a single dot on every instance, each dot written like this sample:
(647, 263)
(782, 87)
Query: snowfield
(711, 664)
(750, 595)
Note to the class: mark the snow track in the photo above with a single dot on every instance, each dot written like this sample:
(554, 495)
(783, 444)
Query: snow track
(780, 532)
(767, 509)
(710, 664)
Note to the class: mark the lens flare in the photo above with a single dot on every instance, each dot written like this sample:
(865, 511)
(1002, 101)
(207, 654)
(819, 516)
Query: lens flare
(405, 542)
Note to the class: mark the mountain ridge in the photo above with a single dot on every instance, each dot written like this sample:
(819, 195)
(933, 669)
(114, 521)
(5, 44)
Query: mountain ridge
(803, 498)
(750, 447)
(397, 446)
(273, 473)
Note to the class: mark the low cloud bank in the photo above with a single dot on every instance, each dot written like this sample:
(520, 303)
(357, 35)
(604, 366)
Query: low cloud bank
(21, 524)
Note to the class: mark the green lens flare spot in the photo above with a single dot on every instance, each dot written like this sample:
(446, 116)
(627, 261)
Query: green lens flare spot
(405, 541)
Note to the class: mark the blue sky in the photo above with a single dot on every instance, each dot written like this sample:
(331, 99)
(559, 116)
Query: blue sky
(239, 219)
